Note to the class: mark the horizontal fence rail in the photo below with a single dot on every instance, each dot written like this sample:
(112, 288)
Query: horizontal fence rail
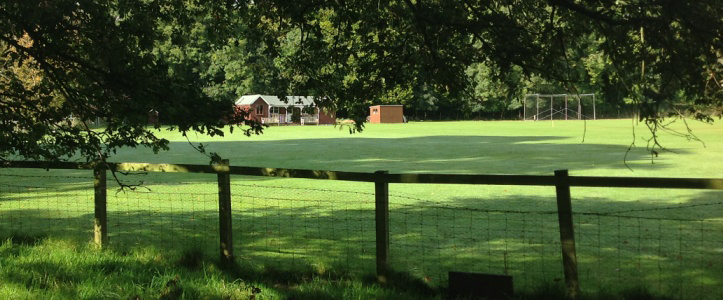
(491, 179)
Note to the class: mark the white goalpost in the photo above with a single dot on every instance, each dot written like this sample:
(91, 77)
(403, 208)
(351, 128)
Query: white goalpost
(559, 107)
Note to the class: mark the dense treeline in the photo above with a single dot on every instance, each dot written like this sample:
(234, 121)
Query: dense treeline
(187, 60)
(381, 53)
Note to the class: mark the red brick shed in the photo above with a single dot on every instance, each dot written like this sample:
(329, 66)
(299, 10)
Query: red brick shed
(386, 114)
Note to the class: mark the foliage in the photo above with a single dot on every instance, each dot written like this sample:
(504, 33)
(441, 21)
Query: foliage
(120, 60)
(96, 60)
(358, 51)
(495, 93)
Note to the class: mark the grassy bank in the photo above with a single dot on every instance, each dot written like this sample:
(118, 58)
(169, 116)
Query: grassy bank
(48, 268)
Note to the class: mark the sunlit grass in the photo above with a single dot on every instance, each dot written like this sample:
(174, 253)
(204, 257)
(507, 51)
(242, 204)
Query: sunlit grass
(322, 232)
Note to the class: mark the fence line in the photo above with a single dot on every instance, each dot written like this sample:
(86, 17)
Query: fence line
(561, 181)
(536, 180)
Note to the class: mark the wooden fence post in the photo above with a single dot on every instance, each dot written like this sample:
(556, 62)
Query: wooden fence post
(381, 209)
(567, 233)
(224, 213)
(100, 228)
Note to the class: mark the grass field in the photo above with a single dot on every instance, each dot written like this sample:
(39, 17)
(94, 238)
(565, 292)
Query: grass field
(312, 239)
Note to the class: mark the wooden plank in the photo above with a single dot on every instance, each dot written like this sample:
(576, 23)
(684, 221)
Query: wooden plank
(647, 182)
(534, 180)
(171, 168)
(302, 173)
(381, 208)
(472, 179)
(567, 233)
(100, 220)
(63, 165)
(225, 228)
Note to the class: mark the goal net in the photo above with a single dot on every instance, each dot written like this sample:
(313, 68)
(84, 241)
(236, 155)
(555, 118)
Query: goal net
(559, 107)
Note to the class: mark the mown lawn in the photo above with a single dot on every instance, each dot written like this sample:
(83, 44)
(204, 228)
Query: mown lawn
(320, 234)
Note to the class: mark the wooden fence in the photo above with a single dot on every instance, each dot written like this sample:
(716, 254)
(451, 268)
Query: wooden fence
(560, 180)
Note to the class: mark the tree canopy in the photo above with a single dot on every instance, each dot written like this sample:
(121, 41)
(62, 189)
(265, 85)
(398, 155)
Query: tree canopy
(187, 60)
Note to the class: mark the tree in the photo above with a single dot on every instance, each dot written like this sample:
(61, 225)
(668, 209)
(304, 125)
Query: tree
(495, 94)
(97, 60)
(664, 56)
(119, 59)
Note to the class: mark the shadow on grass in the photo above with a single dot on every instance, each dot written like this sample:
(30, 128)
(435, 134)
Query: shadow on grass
(436, 154)
(296, 241)
(433, 154)
(130, 276)
(54, 267)
(19, 238)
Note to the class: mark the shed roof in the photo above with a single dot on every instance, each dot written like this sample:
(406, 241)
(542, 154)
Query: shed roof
(275, 101)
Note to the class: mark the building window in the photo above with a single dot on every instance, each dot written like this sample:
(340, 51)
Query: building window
(260, 110)
(274, 110)
(375, 111)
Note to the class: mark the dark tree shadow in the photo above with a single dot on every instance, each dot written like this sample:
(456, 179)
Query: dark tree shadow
(668, 249)
(434, 154)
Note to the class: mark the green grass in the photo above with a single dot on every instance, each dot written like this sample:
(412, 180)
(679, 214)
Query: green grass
(315, 239)
(52, 268)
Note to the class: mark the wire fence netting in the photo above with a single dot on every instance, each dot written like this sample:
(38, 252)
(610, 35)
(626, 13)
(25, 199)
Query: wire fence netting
(30, 208)
(494, 230)
(159, 214)
(669, 242)
(672, 246)
(299, 226)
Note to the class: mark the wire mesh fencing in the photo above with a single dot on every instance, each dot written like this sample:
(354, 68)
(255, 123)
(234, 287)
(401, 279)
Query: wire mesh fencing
(173, 214)
(493, 230)
(670, 243)
(30, 208)
(671, 249)
(293, 227)
(167, 220)
(296, 226)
